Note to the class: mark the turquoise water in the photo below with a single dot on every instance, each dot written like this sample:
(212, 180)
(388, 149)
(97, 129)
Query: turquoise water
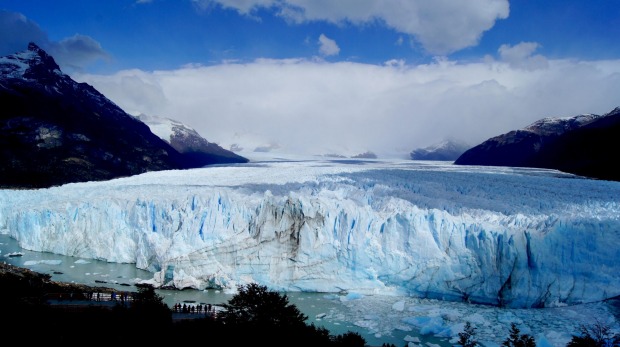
(378, 319)
(322, 309)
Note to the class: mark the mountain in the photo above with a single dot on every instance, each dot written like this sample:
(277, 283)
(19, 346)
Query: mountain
(584, 145)
(188, 142)
(365, 155)
(54, 130)
(447, 150)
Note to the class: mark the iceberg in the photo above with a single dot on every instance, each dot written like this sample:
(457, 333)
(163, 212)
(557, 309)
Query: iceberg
(510, 237)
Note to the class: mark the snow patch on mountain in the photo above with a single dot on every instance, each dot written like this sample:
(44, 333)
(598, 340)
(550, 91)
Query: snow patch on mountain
(560, 125)
(164, 128)
(447, 150)
(188, 142)
(16, 65)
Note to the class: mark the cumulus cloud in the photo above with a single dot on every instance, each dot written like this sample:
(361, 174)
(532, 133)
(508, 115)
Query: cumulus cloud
(395, 63)
(245, 7)
(521, 56)
(316, 107)
(138, 91)
(441, 27)
(16, 31)
(72, 53)
(328, 46)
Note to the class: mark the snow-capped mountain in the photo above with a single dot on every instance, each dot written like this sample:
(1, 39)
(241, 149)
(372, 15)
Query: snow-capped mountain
(188, 142)
(585, 145)
(54, 130)
(514, 237)
(555, 126)
(448, 150)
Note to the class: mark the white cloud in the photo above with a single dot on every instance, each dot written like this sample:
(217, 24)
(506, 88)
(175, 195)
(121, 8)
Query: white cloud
(72, 53)
(242, 6)
(395, 63)
(328, 46)
(315, 107)
(76, 52)
(16, 31)
(521, 56)
(136, 90)
(440, 26)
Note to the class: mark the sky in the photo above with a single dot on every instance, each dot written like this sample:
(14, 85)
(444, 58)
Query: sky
(334, 76)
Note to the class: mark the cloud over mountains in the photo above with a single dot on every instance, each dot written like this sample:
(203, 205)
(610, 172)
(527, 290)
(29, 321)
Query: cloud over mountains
(346, 107)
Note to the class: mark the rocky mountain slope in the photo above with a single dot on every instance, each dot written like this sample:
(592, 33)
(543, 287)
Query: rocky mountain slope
(188, 142)
(584, 145)
(54, 130)
(445, 150)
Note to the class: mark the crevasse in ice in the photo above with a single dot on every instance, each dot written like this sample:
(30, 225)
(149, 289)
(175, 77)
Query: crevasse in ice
(502, 236)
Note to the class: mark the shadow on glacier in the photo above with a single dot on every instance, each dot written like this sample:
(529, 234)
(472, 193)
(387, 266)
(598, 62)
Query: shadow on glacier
(518, 192)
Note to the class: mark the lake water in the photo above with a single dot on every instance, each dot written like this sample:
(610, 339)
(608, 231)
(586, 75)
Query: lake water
(324, 310)
(378, 319)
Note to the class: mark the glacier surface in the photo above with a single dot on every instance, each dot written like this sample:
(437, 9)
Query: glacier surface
(511, 237)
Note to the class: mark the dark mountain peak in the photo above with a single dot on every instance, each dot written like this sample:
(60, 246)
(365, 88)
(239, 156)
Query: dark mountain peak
(32, 64)
(41, 63)
(54, 130)
(446, 150)
(39, 52)
(583, 145)
(614, 112)
(560, 125)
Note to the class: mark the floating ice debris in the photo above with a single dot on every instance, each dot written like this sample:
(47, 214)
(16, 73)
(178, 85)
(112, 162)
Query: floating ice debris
(351, 296)
(399, 306)
(47, 262)
(412, 339)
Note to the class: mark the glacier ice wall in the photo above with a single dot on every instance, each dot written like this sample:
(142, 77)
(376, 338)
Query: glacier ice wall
(510, 237)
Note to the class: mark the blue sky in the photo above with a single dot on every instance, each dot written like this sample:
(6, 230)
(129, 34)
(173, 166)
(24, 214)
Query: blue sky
(395, 65)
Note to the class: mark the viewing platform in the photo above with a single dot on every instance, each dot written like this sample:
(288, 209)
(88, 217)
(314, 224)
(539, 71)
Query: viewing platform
(81, 301)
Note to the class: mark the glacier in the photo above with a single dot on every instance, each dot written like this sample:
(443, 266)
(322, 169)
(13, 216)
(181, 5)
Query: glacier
(510, 237)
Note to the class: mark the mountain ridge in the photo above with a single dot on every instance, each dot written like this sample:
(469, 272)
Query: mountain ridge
(447, 150)
(188, 142)
(583, 145)
(54, 130)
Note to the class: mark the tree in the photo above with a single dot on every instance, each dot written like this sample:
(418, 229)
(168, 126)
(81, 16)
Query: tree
(265, 317)
(349, 339)
(147, 298)
(256, 305)
(144, 308)
(149, 307)
(466, 337)
(516, 339)
(598, 335)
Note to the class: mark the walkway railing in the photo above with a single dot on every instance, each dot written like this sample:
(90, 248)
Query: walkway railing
(122, 298)
(91, 296)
